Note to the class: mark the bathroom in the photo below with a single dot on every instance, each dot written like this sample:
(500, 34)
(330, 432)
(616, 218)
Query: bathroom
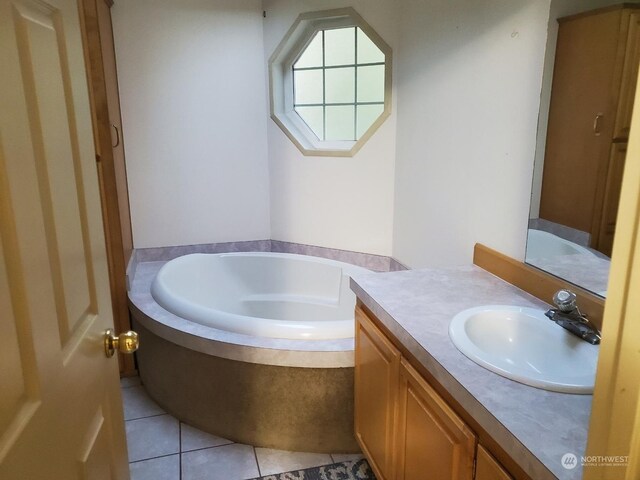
(440, 184)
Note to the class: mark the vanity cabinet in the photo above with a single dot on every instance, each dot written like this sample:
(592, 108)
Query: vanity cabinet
(594, 82)
(404, 427)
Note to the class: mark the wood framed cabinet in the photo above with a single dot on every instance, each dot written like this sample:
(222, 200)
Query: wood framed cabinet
(405, 428)
(110, 161)
(376, 390)
(488, 468)
(431, 440)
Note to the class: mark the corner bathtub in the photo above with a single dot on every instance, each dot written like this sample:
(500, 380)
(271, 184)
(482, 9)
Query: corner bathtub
(275, 295)
(253, 347)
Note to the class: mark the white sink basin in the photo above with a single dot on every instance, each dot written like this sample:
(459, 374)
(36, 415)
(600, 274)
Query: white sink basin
(522, 344)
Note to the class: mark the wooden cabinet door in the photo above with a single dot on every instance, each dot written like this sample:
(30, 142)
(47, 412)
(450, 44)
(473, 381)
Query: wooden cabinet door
(431, 440)
(488, 468)
(581, 118)
(105, 104)
(629, 79)
(611, 198)
(376, 388)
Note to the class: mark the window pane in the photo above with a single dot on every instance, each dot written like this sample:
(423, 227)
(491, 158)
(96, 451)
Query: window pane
(371, 84)
(341, 86)
(312, 55)
(367, 114)
(367, 50)
(340, 46)
(307, 86)
(314, 118)
(340, 123)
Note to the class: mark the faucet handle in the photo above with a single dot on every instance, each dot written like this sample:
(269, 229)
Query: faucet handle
(565, 300)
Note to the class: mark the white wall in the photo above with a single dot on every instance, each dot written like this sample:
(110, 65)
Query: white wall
(469, 79)
(192, 89)
(559, 9)
(344, 203)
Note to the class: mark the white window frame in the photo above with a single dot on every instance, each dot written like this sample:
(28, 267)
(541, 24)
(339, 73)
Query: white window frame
(281, 81)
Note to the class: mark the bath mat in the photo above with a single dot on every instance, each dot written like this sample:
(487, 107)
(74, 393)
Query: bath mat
(357, 470)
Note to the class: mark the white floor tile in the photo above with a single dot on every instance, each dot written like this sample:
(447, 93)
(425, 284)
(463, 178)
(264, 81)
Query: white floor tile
(138, 404)
(152, 437)
(229, 462)
(278, 461)
(163, 468)
(193, 439)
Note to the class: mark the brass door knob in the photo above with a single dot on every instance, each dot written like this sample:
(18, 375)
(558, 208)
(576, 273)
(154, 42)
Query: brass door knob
(126, 342)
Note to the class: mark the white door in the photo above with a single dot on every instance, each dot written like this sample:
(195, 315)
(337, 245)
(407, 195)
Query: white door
(60, 407)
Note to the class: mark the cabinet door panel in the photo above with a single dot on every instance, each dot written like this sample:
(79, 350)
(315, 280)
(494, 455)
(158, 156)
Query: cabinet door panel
(376, 387)
(629, 79)
(611, 198)
(432, 441)
(487, 468)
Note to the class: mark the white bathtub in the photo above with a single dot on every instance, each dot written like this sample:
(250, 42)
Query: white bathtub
(541, 244)
(276, 295)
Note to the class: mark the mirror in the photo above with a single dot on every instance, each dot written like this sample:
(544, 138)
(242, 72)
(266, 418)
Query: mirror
(588, 86)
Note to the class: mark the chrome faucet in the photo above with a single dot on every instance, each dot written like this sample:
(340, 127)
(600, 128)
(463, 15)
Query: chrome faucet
(568, 316)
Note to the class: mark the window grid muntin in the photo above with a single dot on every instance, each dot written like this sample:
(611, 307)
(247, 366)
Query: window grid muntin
(324, 91)
(329, 67)
(324, 68)
(355, 85)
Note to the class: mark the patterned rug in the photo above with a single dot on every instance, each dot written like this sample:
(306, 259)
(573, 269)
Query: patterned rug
(358, 470)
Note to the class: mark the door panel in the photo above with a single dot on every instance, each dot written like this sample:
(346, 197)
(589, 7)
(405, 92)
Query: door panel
(113, 100)
(94, 461)
(19, 392)
(109, 140)
(629, 80)
(40, 39)
(611, 199)
(488, 468)
(376, 387)
(431, 439)
(54, 293)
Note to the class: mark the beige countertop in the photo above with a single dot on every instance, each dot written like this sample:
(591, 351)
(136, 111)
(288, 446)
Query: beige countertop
(535, 427)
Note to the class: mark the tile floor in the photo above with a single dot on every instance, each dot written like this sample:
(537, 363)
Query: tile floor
(163, 448)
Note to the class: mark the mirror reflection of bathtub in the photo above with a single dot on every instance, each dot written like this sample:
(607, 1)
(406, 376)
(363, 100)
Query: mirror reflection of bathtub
(575, 263)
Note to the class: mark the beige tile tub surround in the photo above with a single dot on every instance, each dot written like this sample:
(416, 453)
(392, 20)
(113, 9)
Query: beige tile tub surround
(287, 408)
(377, 263)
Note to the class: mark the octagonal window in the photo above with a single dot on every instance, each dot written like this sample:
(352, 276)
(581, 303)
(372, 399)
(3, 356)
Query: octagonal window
(338, 84)
(330, 82)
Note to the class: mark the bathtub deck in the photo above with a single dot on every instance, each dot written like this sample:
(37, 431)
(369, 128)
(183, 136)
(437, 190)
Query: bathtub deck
(163, 448)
